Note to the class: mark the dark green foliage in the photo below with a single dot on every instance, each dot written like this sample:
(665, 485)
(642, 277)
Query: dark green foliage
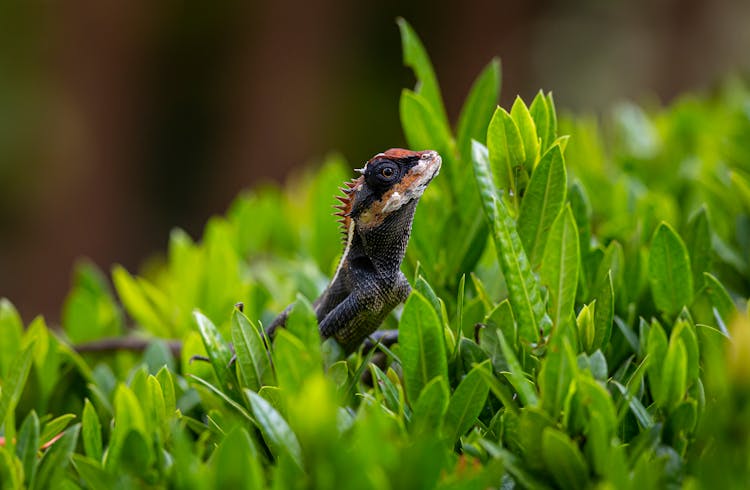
(579, 319)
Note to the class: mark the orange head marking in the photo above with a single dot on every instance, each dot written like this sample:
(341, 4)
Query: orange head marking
(388, 181)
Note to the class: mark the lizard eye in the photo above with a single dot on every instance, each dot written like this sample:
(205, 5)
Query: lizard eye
(387, 172)
(382, 174)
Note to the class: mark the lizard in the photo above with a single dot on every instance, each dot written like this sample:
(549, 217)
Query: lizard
(376, 215)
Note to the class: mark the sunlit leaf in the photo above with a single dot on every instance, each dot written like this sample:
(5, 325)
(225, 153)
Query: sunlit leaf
(218, 351)
(466, 403)
(56, 459)
(417, 59)
(560, 266)
(669, 271)
(92, 432)
(252, 358)
(506, 156)
(523, 290)
(422, 344)
(276, 432)
(563, 458)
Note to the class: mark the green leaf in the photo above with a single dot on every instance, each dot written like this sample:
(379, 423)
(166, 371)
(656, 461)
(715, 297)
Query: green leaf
(293, 361)
(542, 203)
(683, 418)
(674, 376)
(586, 326)
(422, 345)
(424, 130)
(541, 115)
(276, 431)
(656, 351)
(56, 459)
(11, 470)
(156, 407)
(513, 464)
(321, 239)
(223, 396)
(460, 298)
(429, 410)
(478, 108)
(669, 271)
(741, 186)
(236, 462)
(636, 407)
(469, 353)
(610, 267)
(15, 381)
(137, 454)
(564, 460)
(252, 358)
(551, 135)
(515, 374)
(426, 290)
(719, 297)
(11, 329)
(90, 312)
(556, 375)
(222, 275)
(581, 207)
(520, 114)
(92, 432)
(217, 350)
(137, 302)
(506, 156)
(387, 388)
(417, 59)
(501, 391)
(28, 445)
(603, 315)
(686, 332)
(589, 399)
(466, 403)
(92, 473)
(500, 318)
(164, 376)
(698, 243)
(560, 264)
(597, 365)
(303, 324)
(129, 417)
(523, 290)
(53, 427)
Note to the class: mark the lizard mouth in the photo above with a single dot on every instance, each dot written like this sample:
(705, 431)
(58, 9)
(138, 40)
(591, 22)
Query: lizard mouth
(432, 163)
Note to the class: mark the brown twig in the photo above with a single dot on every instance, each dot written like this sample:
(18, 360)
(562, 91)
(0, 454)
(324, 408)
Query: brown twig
(135, 344)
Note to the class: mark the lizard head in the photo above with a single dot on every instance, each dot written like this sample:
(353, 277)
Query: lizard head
(389, 181)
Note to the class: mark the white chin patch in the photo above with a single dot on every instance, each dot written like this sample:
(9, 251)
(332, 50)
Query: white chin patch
(412, 187)
(394, 202)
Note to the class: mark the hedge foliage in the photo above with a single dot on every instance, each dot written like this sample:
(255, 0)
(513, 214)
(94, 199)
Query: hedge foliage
(579, 319)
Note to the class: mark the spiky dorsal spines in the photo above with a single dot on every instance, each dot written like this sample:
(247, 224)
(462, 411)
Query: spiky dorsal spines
(344, 209)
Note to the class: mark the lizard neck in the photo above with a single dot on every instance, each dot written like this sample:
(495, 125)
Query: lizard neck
(385, 244)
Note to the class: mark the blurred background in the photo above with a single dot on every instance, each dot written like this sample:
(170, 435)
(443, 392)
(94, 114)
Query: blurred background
(120, 120)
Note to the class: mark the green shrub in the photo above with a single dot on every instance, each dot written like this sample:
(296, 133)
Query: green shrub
(579, 318)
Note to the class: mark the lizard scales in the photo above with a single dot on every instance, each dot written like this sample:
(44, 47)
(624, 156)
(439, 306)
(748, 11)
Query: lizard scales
(376, 211)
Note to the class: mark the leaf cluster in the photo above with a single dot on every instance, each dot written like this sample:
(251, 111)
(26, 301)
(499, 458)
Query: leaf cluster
(579, 318)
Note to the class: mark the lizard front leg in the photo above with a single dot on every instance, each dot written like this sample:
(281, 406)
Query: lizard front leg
(363, 310)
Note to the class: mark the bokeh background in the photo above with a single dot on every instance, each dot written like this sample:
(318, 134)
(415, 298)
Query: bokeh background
(120, 120)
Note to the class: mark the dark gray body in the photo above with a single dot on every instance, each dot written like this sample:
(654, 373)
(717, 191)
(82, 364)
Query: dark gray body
(368, 282)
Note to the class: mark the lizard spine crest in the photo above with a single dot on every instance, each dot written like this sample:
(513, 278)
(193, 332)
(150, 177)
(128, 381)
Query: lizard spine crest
(344, 209)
